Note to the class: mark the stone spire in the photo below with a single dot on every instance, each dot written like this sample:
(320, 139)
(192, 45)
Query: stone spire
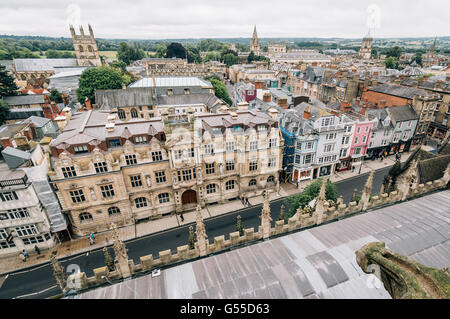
(265, 216)
(367, 191)
(254, 45)
(120, 252)
(201, 233)
(408, 180)
(321, 204)
(59, 273)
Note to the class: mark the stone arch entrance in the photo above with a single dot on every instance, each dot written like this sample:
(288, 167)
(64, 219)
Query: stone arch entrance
(189, 197)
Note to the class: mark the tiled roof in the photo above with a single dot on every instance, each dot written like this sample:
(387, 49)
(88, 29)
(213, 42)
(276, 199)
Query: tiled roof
(172, 81)
(398, 90)
(402, 113)
(29, 65)
(25, 99)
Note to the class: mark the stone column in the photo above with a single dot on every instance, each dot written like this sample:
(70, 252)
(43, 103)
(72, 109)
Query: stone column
(265, 216)
(121, 255)
(320, 205)
(202, 238)
(367, 191)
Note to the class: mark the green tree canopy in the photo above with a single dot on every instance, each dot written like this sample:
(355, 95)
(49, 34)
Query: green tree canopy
(230, 59)
(418, 58)
(4, 112)
(309, 193)
(55, 96)
(54, 54)
(391, 63)
(7, 85)
(220, 89)
(193, 55)
(101, 78)
(176, 50)
(128, 54)
(251, 57)
(395, 52)
(211, 56)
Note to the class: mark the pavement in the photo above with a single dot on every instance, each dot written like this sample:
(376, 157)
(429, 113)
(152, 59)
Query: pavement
(81, 245)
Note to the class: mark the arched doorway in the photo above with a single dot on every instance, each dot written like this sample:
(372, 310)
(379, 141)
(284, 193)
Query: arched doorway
(189, 197)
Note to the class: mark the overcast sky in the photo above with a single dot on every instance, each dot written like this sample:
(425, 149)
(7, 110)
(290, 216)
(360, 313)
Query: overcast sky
(165, 19)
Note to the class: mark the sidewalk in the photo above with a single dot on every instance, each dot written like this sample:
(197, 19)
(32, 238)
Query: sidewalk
(81, 245)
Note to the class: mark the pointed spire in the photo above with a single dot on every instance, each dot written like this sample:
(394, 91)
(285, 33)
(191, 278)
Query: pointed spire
(90, 30)
(265, 216)
(59, 273)
(367, 192)
(81, 30)
(120, 252)
(201, 232)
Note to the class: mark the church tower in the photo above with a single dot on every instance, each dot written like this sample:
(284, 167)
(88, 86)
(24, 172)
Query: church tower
(366, 48)
(85, 47)
(254, 45)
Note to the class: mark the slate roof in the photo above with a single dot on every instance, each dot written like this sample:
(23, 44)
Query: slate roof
(319, 262)
(29, 65)
(398, 90)
(136, 96)
(38, 121)
(209, 100)
(172, 81)
(249, 119)
(24, 99)
(402, 113)
(9, 130)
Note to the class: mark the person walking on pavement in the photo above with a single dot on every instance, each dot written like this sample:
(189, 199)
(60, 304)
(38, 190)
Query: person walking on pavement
(91, 239)
(182, 217)
(36, 248)
(22, 257)
(25, 254)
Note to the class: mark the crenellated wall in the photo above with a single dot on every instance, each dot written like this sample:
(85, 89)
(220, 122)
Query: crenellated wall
(329, 211)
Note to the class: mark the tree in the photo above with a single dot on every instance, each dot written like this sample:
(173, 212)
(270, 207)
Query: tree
(211, 56)
(239, 227)
(7, 85)
(251, 57)
(418, 58)
(309, 193)
(128, 54)
(220, 89)
(230, 59)
(161, 51)
(176, 50)
(391, 63)
(101, 78)
(55, 96)
(109, 261)
(4, 112)
(54, 54)
(395, 52)
(193, 55)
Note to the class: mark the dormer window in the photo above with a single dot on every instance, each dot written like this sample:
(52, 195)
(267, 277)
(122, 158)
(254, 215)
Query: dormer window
(187, 91)
(169, 91)
(114, 143)
(80, 149)
(140, 139)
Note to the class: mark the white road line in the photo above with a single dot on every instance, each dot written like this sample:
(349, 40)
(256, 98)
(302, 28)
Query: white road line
(36, 293)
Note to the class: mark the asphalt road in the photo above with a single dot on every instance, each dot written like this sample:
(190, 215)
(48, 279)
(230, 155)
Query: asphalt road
(38, 282)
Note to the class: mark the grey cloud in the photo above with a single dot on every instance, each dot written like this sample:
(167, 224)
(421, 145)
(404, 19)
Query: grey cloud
(230, 18)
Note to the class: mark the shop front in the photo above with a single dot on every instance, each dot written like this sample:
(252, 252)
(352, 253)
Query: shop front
(344, 164)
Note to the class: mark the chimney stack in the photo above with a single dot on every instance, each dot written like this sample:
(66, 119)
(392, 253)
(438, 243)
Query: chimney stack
(267, 97)
(88, 104)
(382, 104)
(54, 107)
(234, 116)
(363, 110)
(307, 113)
(273, 113)
(6, 141)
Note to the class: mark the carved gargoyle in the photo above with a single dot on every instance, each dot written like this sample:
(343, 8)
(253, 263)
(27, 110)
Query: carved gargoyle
(402, 277)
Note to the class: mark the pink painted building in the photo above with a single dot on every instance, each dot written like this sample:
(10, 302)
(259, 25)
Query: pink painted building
(361, 138)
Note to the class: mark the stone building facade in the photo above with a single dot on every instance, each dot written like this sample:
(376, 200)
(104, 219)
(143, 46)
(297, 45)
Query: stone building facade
(85, 47)
(107, 170)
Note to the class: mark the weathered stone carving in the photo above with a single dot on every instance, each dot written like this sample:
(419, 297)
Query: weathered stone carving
(59, 273)
(367, 192)
(201, 233)
(321, 204)
(265, 216)
(120, 252)
(402, 277)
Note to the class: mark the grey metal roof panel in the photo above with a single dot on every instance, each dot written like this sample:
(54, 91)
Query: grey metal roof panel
(28, 65)
(303, 264)
(25, 99)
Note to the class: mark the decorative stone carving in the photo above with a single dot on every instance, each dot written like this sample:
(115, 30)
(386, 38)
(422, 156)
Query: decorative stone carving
(120, 252)
(321, 204)
(265, 216)
(367, 191)
(59, 273)
(402, 277)
(201, 232)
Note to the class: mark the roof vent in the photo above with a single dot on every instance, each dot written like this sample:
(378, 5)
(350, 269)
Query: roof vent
(234, 115)
(111, 118)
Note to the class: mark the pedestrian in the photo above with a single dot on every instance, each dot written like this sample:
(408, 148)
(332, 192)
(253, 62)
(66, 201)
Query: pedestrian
(353, 168)
(296, 183)
(91, 239)
(246, 200)
(25, 254)
(385, 154)
(382, 157)
(36, 248)
(182, 217)
(22, 257)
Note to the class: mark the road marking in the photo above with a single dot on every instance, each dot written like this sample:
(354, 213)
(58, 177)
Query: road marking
(36, 293)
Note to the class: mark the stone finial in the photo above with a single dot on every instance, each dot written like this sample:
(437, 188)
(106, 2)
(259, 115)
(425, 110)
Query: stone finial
(321, 203)
(109, 261)
(407, 181)
(282, 213)
(340, 201)
(201, 232)
(59, 273)
(367, 191)
(120, 252)
(265, 216)
(354, 195)
(402, 277)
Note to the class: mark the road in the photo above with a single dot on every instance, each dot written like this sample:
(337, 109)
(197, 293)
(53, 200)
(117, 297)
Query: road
(38, 282)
